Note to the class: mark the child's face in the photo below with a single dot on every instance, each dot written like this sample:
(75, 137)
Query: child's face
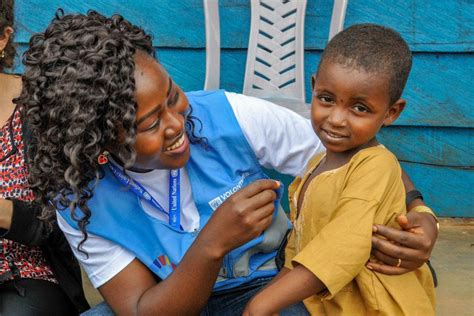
(349, 106)
(161, 140)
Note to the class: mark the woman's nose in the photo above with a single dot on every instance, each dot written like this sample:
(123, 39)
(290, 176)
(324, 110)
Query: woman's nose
(173, 121)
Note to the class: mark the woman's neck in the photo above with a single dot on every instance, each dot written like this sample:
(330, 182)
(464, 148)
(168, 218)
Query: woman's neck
(139, 170)
(118, 161)
(10, 87)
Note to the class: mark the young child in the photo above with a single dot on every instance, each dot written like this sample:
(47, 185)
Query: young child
(357, 183)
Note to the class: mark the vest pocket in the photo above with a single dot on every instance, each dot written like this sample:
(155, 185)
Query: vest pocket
(258, 254)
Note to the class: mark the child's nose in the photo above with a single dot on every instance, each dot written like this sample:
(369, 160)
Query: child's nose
(337, 117)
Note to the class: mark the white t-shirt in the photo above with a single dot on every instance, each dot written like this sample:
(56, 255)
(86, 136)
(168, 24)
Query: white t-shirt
(281, 140)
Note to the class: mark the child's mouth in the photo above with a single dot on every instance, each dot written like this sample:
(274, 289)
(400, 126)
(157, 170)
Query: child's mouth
(333, 135)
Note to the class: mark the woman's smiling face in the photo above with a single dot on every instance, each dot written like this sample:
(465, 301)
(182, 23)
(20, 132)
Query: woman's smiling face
(161, 140)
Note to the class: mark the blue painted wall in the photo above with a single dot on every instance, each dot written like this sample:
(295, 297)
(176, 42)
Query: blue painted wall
(434, 138)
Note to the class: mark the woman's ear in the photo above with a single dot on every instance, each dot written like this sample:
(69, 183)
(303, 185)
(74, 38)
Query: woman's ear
(5, 37)
(394, 112)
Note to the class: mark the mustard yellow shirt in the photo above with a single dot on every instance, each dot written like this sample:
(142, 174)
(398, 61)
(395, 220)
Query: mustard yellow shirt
(332, 238)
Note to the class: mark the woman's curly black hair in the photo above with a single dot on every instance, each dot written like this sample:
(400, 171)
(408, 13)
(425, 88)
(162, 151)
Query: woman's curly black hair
(78, 90)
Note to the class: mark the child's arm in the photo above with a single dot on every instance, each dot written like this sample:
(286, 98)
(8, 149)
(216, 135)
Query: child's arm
(263, 302)
(413, 244)
(288, 288)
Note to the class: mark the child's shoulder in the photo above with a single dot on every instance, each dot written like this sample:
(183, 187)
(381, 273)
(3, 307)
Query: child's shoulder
(376, 157)
(316, 159)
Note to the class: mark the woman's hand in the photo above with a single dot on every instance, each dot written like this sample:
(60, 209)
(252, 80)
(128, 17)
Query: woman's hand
(407, 249)
(241, 218)
(6, 214)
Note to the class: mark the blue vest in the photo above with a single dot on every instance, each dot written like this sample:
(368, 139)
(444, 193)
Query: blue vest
(216, 172)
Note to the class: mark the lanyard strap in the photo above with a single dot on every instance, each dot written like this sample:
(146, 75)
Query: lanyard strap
(174, 198)
(141, 192)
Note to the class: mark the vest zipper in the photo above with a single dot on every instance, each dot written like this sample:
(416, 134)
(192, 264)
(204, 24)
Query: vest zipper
(228, 266)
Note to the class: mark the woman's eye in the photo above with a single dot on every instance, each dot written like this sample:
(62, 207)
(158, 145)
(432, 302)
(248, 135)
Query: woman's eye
(173, 100)
(153, 126)
(361, 108)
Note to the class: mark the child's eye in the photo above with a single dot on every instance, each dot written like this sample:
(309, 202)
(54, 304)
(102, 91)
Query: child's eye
(324, 98)
(361, 108)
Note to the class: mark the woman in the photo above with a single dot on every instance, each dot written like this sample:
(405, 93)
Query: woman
(38, 274)
(161, 194)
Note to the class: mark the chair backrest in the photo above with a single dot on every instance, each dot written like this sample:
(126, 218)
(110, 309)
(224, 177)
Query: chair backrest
(213, 44)
(338, 17)
(275, 58)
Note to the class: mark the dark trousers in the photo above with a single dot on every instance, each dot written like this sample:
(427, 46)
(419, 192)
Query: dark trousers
(232, 302)
(225, 303)
(29, 297)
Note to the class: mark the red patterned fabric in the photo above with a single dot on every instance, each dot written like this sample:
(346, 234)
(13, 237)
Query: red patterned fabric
(30, 262)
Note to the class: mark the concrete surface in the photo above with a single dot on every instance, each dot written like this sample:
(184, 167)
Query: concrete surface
(452, 258)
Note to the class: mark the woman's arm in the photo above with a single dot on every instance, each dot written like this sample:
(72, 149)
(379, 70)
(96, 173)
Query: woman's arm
(242, 217)
(134, 290)
(6, 213)
(19, 222)
(413, 244)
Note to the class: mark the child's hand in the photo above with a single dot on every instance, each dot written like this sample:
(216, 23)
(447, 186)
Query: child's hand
(257, 308)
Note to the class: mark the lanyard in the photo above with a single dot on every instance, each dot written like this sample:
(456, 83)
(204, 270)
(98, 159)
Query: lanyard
(140, 191)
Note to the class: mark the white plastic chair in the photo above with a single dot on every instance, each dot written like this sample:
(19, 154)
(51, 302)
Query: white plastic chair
(213, 45)
(275, 57)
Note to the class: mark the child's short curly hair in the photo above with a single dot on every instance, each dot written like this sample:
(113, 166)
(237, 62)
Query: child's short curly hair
(7, 20)
(375, 49)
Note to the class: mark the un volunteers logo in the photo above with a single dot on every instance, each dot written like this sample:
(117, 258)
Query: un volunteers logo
(174, 173)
